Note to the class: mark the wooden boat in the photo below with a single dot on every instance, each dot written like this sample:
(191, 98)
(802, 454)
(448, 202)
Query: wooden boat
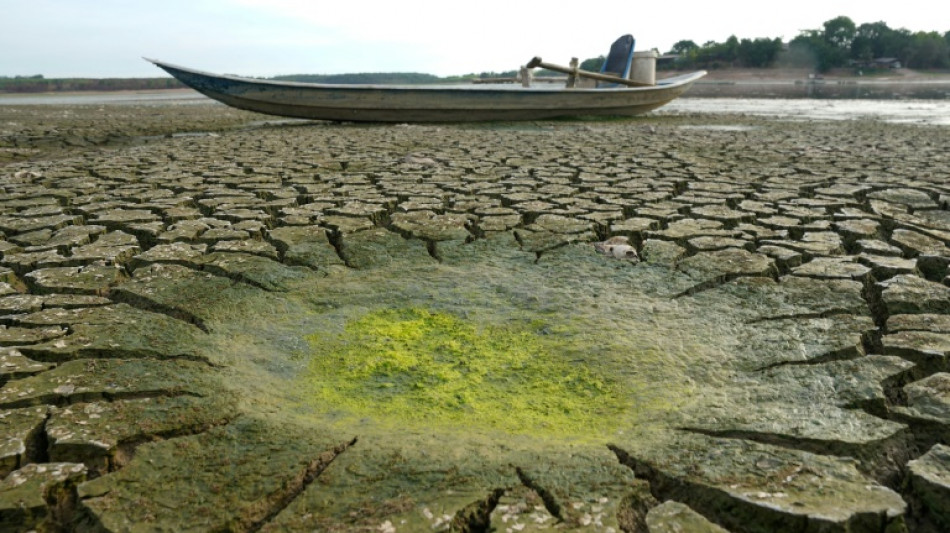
(432, 103)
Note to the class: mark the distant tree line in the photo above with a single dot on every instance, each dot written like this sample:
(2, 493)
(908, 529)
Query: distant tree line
(839, 43)
(750, 53)
(39, 84)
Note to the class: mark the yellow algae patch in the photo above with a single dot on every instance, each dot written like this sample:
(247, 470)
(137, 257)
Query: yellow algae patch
(433, 368)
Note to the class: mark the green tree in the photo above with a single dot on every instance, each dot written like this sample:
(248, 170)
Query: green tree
(759, 53)
(838, 34)
(716, 55)
(731, 49)
(686, 51)
(684, 48)
(810, 45)
(870, 41)
(928, 50)
(593, 64)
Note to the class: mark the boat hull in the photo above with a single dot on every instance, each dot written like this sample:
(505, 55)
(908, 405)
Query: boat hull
(424, 103)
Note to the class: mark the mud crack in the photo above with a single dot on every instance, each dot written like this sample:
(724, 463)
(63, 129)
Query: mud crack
(297, 486)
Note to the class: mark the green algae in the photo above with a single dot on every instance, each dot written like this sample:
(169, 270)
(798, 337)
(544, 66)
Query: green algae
(434, 368)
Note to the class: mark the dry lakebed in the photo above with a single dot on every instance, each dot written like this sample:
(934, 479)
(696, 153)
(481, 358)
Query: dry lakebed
(215, 321)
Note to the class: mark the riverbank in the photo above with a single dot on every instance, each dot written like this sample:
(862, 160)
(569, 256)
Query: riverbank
(895, 84)
(902, 75)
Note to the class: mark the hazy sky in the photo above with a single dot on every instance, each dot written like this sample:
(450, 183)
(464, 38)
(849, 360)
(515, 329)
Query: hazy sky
(107, 38)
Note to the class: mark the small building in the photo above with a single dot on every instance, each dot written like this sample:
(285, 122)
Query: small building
(877, 63)
(887, 62)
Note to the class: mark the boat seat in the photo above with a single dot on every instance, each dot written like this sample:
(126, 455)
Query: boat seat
(619, 60)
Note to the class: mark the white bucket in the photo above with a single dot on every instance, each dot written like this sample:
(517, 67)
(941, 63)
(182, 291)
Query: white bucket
(644, 67)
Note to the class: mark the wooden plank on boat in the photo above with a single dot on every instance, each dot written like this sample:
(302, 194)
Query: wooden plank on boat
(574, 71)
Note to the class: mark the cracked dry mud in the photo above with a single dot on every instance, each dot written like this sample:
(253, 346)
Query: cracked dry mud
(326, 327)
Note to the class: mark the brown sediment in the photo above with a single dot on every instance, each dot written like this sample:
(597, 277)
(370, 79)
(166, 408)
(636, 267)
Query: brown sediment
(776, 361)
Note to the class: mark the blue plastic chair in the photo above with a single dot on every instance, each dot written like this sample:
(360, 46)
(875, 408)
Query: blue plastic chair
(619, 60)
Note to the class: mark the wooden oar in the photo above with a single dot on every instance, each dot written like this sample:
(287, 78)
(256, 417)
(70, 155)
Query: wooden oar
(537, 62)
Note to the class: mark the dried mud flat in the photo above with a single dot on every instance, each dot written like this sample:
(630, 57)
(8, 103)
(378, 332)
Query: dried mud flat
(210, 323)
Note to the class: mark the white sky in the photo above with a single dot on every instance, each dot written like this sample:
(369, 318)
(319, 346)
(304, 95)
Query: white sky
(107, 38)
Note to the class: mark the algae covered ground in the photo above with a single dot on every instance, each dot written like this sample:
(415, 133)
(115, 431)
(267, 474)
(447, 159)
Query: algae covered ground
(306, 326)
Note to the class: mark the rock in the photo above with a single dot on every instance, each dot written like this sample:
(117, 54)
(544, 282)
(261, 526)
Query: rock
(24, 262)
(757, 487)
(21, 438)
(115, 331)
(91, 380)
(663, 253)
(185, 231)
(877, 247)
(103, 435)
(832, 268)
(379, 247)
(496, 224)
(805, 340)
(14, 365)
(521, 509)
(915, 244)
(118, 219)
(911, 294)
(618, 248)
(772, 410)
(675, 517)
(634, 228)
(15, 336)
(95, 279)
(784, 258)
(345, 225)
(924, 322)
(934, 267)
(116, 247)
(929, 478)
(11, 281)
(928, 349)
(416, 159)
(561, 225)
(884, 266)
(543, 241)
(430, 226)
(682, 230)
(709, 269)
(857, 230)
(47, 304)
(722, 214)
(810, 248)
(229, 483)
(36, 496)
(192, 296)
(217, 236)
(374, 213)
(257, 271)
(928, 402)
(179, 253)
(306, 246)
(905, 196)
(250, 246)
(21, 224)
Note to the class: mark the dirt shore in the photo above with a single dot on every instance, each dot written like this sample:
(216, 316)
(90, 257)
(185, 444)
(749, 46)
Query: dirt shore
(902, 75)
(211, 320)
